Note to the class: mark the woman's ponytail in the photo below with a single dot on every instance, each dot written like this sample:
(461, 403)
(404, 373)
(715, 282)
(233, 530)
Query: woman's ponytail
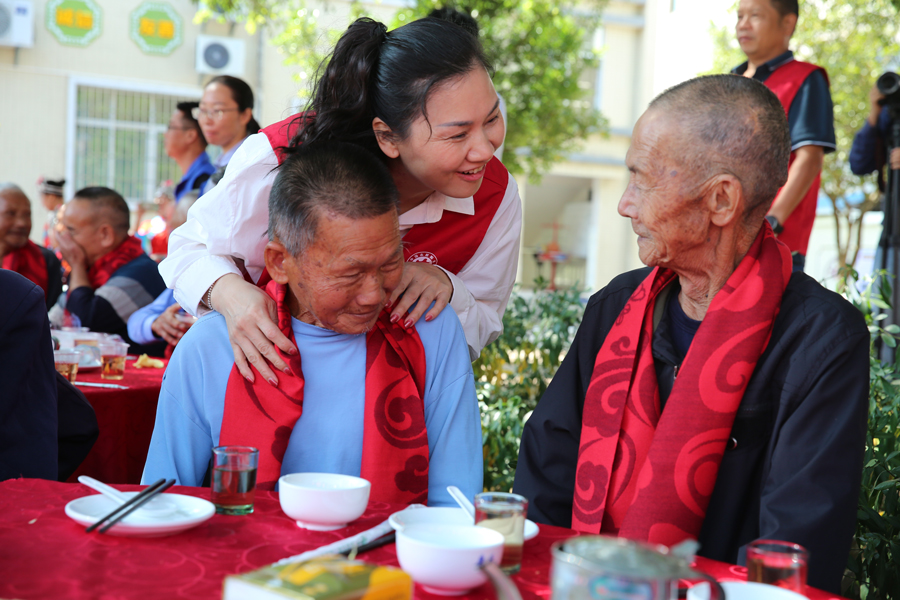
(341, 100)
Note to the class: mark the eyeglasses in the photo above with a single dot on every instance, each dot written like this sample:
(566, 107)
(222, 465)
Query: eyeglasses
(215, 114)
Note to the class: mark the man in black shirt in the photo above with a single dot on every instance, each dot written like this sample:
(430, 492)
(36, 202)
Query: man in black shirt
(715, 396)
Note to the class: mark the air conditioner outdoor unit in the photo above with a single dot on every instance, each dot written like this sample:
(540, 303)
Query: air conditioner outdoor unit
(220, 55)
(17, 23)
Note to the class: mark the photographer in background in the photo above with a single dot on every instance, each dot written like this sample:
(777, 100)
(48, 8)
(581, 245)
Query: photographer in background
(870, 144)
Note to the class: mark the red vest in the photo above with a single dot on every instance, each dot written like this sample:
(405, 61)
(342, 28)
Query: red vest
(449, 243)
(785, 82)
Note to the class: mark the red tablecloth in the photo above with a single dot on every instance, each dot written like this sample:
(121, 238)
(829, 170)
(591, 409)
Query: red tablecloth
(44, 554)
(126, 419)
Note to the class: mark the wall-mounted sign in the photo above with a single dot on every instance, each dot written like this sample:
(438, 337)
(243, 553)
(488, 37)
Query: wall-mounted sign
(156, 28)
(74, 22)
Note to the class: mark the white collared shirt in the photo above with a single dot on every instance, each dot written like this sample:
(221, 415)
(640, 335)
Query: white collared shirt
(231, 222)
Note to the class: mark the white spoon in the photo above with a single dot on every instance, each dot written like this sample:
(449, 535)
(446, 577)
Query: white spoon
(156, 508)
(462, 500)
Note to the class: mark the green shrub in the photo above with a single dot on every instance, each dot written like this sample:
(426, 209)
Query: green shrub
(874, 565)
(512, 372)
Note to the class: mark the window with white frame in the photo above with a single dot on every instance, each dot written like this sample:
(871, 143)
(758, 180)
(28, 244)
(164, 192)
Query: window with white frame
(119, 141)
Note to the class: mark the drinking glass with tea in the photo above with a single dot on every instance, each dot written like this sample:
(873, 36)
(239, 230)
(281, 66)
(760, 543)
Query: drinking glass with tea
(112, 359)
(234, 479)
(66, 363)
(504, 513)
(783, 564)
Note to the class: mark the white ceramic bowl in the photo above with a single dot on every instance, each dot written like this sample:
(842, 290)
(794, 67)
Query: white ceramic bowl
(444, 515)
(446, 559)
(323, 501)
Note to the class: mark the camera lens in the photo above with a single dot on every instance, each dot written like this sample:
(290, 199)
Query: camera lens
(889, 83)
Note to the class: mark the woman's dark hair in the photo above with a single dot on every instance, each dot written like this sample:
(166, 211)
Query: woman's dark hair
(242, 94)
(334, 178)
(375, 73)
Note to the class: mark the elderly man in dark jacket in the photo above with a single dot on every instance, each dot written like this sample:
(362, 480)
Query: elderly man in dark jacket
(714, 395)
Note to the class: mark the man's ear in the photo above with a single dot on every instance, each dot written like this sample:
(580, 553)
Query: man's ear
(789, 24)
(107, 236)
(385, 139)
(275, 254)
(726, 200)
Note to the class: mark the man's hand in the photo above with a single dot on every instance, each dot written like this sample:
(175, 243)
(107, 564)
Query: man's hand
(252, 319)
(73, 254)
(807, 164)
(169, 326)
(423, 283)
(875, 108)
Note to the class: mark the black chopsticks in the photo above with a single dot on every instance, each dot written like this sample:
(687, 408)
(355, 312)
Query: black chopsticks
(376, 543)
(133, 504)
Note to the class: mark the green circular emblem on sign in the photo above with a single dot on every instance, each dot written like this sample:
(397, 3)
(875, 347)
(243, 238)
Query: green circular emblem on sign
(74, 22)
(156, 28)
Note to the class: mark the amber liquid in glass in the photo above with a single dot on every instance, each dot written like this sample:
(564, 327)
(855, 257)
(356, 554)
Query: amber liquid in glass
(233, 490)
(113, 367)
(67, 370)
(511, 523)
(782, 571)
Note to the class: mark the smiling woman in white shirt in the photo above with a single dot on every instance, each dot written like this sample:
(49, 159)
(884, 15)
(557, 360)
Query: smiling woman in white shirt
(434, 118)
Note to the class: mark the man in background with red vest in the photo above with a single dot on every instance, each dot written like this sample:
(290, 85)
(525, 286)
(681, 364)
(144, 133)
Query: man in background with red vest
(18, 253)
(764, 30)
(361, 395)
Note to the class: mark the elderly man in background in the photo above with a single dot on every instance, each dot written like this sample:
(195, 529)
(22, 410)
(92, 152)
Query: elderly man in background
(18, 253)
(362, 396)
(111, 275)
(714, 395)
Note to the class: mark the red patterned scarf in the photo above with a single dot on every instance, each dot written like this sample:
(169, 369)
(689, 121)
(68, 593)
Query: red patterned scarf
(29, 262)
(649, 477)
(104, 267)
(395, 443)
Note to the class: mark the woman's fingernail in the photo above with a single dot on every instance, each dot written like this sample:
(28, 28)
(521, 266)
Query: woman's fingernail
(293, 351)
(286, 370)
(273, 381)
(429, 318)
(409, 323)
(388, 304)
(250, 378)
(395, 318)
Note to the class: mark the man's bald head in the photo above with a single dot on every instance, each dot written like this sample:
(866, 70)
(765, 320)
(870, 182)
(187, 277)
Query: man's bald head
(734, 125)
(107, 207)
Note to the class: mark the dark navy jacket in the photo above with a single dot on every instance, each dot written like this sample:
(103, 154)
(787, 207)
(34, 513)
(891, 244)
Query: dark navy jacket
(795, 470)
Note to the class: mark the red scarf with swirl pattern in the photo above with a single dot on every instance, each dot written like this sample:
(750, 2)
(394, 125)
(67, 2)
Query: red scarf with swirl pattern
(104, 267)
(29, 262)
(647, 476)
(395, 443)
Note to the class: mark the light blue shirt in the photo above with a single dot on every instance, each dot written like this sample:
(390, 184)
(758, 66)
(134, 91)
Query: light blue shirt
(141, 320)
(328, 436)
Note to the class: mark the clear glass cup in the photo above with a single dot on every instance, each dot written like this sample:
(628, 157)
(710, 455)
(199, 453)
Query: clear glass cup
(778, 563)
(66, 363)
(234, 479)
(504, 513)
(112, 358)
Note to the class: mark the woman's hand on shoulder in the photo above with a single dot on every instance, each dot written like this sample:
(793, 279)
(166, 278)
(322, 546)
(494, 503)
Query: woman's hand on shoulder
(421, 285)
(252, 317)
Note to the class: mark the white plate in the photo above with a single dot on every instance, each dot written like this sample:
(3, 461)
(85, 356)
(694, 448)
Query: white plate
(444, 515)
(189, 513)
(743, 590)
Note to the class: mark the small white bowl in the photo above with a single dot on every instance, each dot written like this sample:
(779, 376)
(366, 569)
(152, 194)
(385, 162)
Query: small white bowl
(323, 501)
(447, 559)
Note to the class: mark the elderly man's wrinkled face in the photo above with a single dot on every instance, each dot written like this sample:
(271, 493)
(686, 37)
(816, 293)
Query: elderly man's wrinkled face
(669, 220)
(15, 220)
(342, 281)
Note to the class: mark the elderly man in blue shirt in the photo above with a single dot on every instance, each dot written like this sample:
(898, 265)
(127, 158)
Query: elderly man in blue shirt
(334, 256)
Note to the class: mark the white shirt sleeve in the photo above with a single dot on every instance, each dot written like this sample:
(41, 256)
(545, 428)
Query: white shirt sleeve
(482, 288)
(229, 222)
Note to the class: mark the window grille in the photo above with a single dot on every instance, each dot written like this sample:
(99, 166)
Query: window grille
(119, 141)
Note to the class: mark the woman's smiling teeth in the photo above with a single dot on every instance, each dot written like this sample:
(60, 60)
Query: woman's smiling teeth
(473, 171)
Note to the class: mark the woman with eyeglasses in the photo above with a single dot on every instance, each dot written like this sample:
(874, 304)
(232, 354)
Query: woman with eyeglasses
(421, 98)
(226, 118)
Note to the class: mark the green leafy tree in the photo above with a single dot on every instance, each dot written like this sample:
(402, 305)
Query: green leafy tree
(539, 49)
(855, 41)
